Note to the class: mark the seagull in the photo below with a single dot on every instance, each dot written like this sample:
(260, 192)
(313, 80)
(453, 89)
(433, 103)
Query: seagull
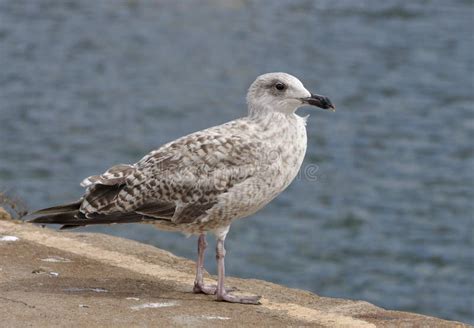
(204, 181)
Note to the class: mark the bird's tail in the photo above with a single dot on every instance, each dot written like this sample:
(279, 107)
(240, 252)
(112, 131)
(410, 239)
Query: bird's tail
(70, 217)
(72, 207)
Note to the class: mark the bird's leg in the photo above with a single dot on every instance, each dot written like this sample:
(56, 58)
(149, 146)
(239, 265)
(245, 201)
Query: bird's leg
(222, 294)
(199, 286)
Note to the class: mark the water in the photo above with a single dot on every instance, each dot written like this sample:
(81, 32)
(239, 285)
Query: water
(388, 215)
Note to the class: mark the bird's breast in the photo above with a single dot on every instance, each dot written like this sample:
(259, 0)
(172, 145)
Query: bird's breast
(289, 148)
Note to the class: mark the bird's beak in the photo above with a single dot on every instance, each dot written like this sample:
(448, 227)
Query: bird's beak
(319, 101)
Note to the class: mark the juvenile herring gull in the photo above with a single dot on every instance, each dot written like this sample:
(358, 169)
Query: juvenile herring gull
(203, 181)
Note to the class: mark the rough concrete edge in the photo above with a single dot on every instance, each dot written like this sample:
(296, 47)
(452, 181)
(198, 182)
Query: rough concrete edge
(339, 316)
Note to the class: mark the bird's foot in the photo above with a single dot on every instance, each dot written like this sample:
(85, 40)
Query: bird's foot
(243, 299)
(204, 289)
(201, 288)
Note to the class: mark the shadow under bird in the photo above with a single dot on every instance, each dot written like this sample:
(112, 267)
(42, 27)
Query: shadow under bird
(202, 182)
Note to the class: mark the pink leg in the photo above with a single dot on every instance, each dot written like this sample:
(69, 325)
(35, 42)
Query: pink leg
(222, 294)
(199, 286)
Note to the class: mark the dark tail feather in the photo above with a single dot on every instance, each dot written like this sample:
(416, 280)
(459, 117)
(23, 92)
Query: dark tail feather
(60, 218)
(72, 207)
(76, 219)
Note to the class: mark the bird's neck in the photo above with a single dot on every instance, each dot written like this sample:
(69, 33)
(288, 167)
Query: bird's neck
(261, 110)
(271, 118)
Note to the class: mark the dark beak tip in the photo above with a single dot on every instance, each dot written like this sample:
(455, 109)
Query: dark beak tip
(330, 105)
(320, 101)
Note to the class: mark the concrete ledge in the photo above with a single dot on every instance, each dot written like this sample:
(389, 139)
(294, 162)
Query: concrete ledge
(59, 279)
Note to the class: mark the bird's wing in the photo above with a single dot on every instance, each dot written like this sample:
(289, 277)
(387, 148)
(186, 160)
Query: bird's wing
(180, 181)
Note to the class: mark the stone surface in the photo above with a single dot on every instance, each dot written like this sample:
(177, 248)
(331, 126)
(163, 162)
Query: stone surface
(57, 279)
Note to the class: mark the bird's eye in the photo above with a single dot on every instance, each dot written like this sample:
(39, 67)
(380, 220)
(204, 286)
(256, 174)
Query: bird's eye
(280, 86)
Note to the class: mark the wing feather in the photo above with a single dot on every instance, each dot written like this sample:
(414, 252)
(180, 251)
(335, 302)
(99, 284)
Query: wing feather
(180, 181)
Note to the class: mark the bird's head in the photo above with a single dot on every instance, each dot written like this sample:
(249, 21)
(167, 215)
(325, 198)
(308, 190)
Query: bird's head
(282, 92)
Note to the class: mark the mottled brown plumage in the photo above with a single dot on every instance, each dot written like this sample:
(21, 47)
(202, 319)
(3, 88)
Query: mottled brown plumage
(205, 180)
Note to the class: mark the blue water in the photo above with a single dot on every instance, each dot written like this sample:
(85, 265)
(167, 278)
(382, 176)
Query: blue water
(388, 215)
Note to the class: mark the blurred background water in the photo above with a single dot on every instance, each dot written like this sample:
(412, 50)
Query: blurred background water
(387, 218)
